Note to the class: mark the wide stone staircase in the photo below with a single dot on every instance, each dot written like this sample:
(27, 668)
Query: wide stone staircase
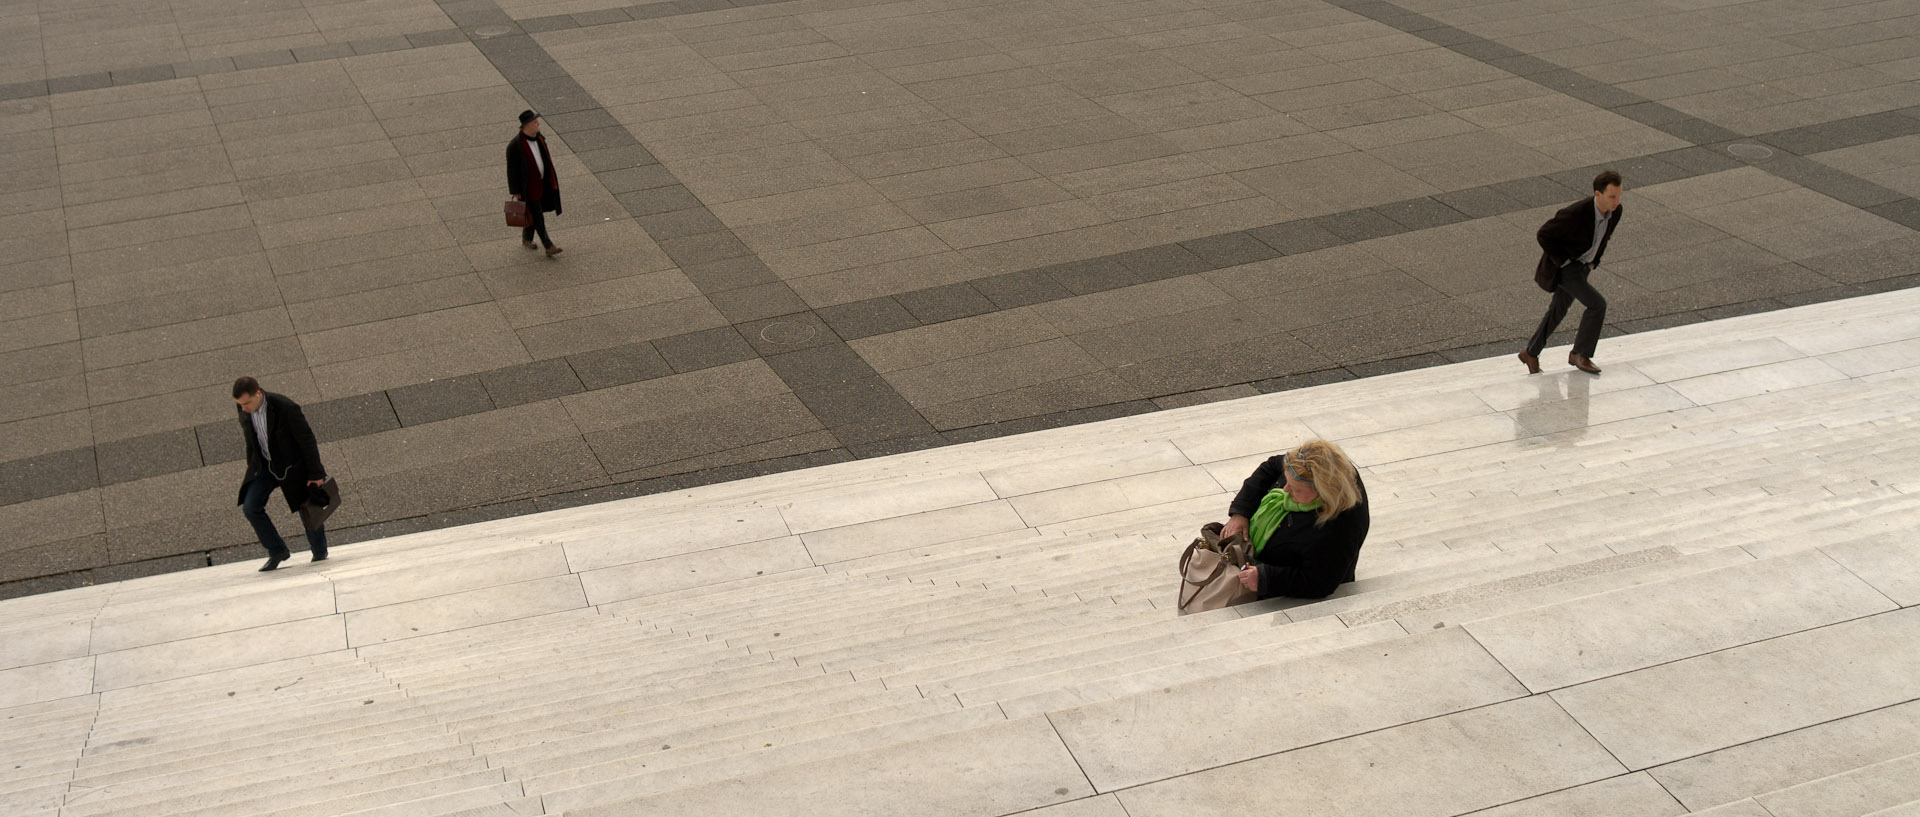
(1685, 586)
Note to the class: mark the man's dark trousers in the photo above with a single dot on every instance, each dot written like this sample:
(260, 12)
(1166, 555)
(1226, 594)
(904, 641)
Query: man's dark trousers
(254, 507)
(1571, 285)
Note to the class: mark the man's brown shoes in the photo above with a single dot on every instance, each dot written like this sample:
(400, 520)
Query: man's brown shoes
(1583, 364)
(1533, 363)
(553, 251)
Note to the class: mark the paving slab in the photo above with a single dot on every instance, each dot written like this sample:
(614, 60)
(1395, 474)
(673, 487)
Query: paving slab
(1690, 707)
(1446, 765)
(1018, 765)
(1105, 737)
(1791, 758)
(1608, 634)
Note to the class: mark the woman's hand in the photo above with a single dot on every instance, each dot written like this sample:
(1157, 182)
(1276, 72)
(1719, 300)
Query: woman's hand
(1250, 578)
(1235, 524)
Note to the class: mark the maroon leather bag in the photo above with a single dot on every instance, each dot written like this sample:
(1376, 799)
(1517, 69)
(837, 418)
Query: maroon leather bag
(517, 214)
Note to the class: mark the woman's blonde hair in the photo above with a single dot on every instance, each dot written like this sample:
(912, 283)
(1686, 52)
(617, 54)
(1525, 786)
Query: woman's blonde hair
(1323, 465)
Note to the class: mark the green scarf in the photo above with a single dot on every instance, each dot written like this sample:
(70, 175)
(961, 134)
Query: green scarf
(1274, 508)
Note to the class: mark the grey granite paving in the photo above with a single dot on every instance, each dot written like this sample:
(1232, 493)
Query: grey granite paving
(802, 231)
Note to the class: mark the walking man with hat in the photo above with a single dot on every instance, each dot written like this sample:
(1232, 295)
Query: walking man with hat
(531, 178)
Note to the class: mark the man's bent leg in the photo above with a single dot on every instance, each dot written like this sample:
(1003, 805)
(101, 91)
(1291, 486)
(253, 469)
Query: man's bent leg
(1595, 315)
(254, 508)
(1556, 310)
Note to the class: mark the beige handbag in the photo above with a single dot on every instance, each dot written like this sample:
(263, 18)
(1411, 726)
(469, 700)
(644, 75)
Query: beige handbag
(1210, 572)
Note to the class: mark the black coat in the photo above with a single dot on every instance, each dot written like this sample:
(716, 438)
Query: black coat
(524, 179)
(1567, 236)
(1303, 559)
(296, 454)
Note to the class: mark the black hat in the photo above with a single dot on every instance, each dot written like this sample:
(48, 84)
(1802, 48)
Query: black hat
(527, 116)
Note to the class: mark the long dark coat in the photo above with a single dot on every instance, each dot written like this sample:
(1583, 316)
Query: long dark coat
(296, 454)
(524, 178)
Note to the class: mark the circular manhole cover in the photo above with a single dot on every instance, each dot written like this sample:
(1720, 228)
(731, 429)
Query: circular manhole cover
(787, 333)
(1746, 151)
(492, 31)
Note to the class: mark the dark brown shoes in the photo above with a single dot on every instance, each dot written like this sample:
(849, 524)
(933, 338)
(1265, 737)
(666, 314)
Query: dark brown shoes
(273, 561)
(1583, 364)
(1533, 363)
(553, 251)
(529, 245)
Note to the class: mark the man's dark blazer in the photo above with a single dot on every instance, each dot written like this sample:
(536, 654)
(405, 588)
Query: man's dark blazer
(522, 174)
(296, 454)
(1567, 236)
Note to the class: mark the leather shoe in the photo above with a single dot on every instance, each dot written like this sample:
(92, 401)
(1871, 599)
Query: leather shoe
(273, 561)
(1583, 364)
(1533, 363)
(320, 554)
(529, 245)
(553, 251)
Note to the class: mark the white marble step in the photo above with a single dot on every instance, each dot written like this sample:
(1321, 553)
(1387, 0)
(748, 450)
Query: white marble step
(129, 735)
(1858, 792)
(1006, 567)
(1619, 631)
(1102, 682)
(1709, 702)
(485, 798)
(982, 610)
(644, 658)
(275, 764)
(374, 738)
(293, 690)
(746, 719)
(466, 639)
(840, 655)
(983, 657)
(612, 691)
(1073, 669)
(1023, 759)
(1506, 580)
(41, 798)
(1788, 759)
(378, 714)
(246, 683)
(796, 616)
(1439, 610)
(643, 608)
(727, 750)
(513, 647)
(315, 771)
(558, 719)
(325, 801)
(28, 773)
(510, 807)
(313, 785)
(778, 755)
(1908, 809)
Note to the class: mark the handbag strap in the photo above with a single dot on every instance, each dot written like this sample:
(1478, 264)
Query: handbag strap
(1202, 584)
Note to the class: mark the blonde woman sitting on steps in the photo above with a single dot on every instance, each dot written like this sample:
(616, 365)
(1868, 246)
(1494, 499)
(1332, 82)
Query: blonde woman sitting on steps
(1305, 515)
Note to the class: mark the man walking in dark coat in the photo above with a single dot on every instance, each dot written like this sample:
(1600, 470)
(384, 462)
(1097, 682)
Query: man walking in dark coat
(281, 452)
(531, 178)
(1571, 244)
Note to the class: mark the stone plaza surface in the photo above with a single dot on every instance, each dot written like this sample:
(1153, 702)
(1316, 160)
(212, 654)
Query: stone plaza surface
(807, 231)
(1690, 585)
